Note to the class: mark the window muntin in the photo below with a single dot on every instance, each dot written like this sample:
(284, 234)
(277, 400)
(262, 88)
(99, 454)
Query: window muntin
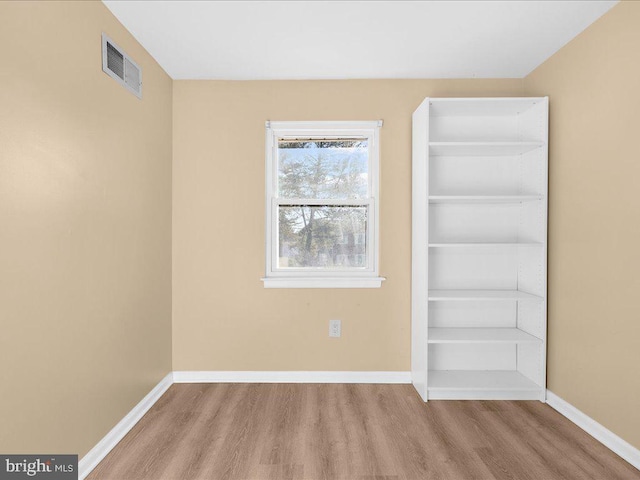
(322, 183)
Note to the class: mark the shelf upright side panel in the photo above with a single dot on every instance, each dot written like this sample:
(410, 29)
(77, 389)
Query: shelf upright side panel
(532, 271)
(419, 249)
(544, 127)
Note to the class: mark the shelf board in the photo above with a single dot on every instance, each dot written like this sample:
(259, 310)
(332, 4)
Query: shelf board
(480, 335)
(483, 244)
(481, 149)
(483, 198)
(469, 295)
(481, 384)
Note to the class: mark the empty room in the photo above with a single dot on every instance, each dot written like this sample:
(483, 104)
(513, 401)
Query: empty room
(319, 240)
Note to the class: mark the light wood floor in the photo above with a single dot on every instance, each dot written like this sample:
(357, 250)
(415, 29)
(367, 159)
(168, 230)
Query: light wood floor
(351, 432)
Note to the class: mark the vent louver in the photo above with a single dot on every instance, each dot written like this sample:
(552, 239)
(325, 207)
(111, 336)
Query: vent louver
(115, 61)
(119, 66)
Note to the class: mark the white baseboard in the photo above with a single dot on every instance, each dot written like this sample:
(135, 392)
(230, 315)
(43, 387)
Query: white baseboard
(111, 439)
(605, 436)
(290, 377)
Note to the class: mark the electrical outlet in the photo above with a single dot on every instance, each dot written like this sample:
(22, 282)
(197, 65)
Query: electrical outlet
(335, 328)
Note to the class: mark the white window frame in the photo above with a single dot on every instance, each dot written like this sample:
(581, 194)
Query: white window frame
(321, 277)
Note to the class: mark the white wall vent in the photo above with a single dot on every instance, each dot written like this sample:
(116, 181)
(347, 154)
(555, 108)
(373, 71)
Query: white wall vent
(119, 66)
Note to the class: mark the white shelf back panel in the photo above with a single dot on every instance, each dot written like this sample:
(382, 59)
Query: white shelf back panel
(474, 222)
(474, 129)
(482, 107)
(473, 314)
(456, 356)
(488, 175)
(491, 268)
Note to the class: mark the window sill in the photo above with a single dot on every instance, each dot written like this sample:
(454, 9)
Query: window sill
(328, 282)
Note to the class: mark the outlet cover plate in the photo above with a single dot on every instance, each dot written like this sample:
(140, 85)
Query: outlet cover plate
(335, 328)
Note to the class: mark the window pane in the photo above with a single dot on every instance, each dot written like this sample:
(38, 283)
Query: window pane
(318, 169)
(326, 237)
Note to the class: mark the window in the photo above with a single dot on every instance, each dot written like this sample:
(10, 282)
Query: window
(322, 205)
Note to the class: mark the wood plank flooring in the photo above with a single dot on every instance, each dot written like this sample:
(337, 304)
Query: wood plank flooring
(351, 432)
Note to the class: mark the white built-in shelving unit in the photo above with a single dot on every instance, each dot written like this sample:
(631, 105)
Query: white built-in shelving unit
(479, 248)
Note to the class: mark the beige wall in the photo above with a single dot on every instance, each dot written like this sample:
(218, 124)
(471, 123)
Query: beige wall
(85, 229)
(223, 318)
(594, 230)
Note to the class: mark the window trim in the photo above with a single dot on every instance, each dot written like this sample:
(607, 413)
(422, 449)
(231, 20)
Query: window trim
(322, 278)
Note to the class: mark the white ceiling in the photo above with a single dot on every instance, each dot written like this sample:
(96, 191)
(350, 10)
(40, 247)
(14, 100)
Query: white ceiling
(354, 39)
